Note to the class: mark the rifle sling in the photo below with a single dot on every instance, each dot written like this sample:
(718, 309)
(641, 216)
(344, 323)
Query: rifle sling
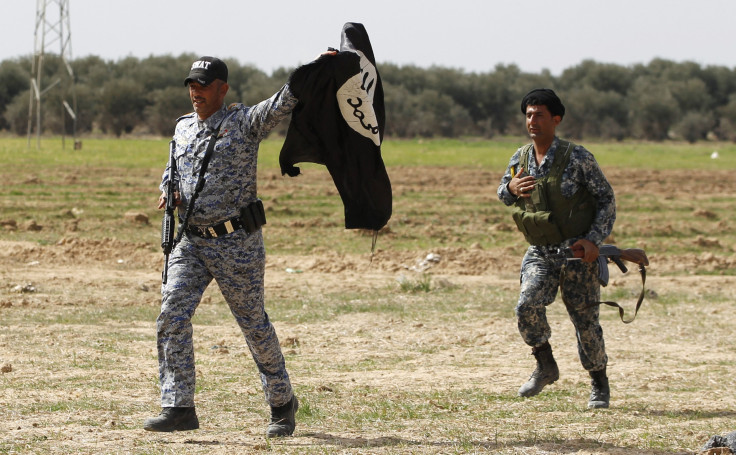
(200, 183)
(642, 272)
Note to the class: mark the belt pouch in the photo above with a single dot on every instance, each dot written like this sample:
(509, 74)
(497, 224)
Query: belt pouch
(259, 212)
(253, 216)
(246, 219)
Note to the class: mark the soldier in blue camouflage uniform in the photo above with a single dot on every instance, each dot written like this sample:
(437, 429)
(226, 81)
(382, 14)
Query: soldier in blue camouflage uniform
(540, 271)
(219, 245)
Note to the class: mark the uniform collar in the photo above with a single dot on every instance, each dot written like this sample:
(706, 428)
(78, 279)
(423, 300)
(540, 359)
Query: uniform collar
(549, 157)
(213, 120)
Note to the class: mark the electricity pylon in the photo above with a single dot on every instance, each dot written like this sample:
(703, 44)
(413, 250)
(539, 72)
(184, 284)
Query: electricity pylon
(51, 29)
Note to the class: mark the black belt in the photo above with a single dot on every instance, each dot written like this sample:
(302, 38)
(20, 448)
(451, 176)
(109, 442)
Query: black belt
(251, 219)
(211, 232)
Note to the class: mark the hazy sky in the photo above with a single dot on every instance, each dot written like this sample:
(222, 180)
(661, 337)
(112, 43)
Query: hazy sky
(472, 35)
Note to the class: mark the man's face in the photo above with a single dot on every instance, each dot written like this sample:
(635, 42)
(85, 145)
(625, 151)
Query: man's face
(208, 99)
(540, 123)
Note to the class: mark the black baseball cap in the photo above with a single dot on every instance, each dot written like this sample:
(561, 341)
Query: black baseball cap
(206, 69)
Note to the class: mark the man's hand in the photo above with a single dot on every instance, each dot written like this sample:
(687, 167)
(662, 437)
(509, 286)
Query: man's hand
(329, 52)
(585, 250)
(162, 200)
(521, 186)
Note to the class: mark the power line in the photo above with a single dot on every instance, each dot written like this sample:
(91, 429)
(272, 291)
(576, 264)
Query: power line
(52, 29)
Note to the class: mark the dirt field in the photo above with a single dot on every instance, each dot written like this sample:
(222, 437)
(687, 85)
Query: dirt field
(379, 368)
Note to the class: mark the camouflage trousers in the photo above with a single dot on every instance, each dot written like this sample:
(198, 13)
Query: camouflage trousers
(237, 263)
(540, 280)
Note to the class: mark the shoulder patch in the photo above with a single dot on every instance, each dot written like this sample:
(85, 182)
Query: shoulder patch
(189, 115)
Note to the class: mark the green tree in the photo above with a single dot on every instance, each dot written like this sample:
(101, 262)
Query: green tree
(92, 71)
(15, 113)
(690, 94)
(159, 72)
(87, 107)
(167, 104)
(602, 77)
(249, 85)
(594, 113)
(122, 103)
(437, 114)
(411, 77)
(695, 126)
(652, 110)
(727, 120)
(15, 80)
(399, 114)
(720, 82)
(495, 104)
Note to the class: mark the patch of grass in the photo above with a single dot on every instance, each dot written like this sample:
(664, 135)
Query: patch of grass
(423, 283)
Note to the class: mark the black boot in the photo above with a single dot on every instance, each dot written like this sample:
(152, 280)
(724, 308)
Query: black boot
(283, 419)
(173, 419)
(546, 372)
(600, 393)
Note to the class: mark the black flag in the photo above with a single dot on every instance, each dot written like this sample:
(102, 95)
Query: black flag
(339, 122)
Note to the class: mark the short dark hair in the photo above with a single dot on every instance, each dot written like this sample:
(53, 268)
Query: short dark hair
(543, 97)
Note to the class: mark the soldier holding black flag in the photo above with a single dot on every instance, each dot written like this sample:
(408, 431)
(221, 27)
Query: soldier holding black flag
(214, 160)
(215, 155)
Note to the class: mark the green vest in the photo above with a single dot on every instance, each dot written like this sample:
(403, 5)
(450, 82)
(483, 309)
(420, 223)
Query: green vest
(547, 217)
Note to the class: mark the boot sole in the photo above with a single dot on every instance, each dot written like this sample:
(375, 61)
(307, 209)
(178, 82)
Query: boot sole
(533, 393)
(170, 430)
(529, 393)
(187, 426)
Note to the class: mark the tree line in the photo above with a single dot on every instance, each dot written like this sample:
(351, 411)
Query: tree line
(655, 101)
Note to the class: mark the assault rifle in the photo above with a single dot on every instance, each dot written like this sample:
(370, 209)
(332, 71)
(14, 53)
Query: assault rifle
(168, 224)
(613, 254)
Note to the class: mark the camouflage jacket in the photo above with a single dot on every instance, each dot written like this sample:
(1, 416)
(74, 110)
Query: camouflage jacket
(230, 178)
(582, 171)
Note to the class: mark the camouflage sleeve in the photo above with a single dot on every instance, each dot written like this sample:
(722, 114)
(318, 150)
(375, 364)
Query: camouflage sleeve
(264, 116)
(504, 195)
(164, 179)
(598, 185)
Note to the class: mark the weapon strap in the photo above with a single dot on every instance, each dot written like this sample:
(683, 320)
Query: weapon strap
(200, 183)
(642, 272)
